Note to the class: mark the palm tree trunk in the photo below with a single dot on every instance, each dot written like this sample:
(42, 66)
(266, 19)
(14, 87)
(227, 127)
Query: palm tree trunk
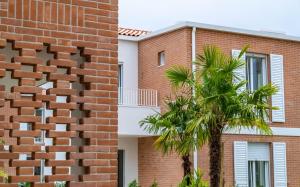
(186, 167)
(215, 147)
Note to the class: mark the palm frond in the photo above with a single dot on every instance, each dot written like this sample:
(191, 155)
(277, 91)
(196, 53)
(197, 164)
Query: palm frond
(171, 126)
(243, 51)
(179, 75)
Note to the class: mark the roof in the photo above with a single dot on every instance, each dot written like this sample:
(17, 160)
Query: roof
(131, 32)
(188, 24)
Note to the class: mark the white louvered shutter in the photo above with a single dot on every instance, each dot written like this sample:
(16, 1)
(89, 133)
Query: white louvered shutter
(259, 151)
(240, 72)
(241, 163)
(279, 156)
(277, 79)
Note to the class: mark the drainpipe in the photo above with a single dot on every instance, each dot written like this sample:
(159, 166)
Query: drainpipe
(194, 70)
(194, 48)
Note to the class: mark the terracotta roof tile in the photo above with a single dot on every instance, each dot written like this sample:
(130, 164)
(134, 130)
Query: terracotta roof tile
(131, 32)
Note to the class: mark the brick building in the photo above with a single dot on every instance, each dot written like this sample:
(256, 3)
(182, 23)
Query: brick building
(58, 80)
(250, 159)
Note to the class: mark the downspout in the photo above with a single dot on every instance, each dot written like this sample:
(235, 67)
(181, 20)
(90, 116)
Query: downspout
(193, 71)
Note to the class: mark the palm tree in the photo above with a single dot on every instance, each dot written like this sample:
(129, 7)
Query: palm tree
(223, 102)
(171, 127)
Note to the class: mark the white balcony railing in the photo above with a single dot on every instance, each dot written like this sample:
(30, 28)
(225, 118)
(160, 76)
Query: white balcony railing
(137, 97)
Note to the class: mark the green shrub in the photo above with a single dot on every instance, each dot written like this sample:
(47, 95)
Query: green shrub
(195, 181)
(154, 184)
(60, 184)
(3, 174)
(135, 184)
(24, 184)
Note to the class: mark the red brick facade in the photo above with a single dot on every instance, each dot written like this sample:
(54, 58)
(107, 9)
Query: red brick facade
(67, 43)
(177, 47)
(167, 173)
(292, 151)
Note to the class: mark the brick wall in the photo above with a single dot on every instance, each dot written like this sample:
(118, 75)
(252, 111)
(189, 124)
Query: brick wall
(292, 150)
(166, 170)
(177, 46)
(289, 50)
(67, 43)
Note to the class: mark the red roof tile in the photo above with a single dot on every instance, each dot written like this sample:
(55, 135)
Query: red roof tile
(131, 32)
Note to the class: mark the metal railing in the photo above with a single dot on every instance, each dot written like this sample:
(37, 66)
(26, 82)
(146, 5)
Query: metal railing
(137, 97)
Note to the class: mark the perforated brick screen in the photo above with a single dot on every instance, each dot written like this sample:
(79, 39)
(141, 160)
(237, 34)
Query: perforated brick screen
(58, 90)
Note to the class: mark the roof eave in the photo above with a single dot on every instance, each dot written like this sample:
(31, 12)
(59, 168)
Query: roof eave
(221, 29)
(128, 38)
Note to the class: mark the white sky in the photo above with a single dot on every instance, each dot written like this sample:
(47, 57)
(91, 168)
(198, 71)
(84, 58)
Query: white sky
(268, 15)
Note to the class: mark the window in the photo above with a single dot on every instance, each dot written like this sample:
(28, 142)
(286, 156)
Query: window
(258, 164)
(161, 58)
(256, 66)
(120, 75)
(258, 173)
(120, 83)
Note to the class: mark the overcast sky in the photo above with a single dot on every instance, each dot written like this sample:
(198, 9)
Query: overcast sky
(269, 15)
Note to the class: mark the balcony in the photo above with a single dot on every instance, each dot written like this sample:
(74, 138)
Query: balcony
(137, 97)
(135, 105)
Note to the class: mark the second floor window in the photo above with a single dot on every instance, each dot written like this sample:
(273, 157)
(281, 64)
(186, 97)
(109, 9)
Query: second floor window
(161, 58)
(256, 68)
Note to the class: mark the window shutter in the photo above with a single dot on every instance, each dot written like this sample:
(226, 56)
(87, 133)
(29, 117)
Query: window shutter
(259, 151)
(279, 156)
(241, 71)
(277, 79)
(241, 163)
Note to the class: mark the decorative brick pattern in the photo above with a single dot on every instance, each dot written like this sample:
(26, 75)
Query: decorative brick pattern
(72, 46)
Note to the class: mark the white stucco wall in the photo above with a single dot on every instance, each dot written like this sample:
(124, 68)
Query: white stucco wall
(129, 118)
(128, 56)
(130, 147)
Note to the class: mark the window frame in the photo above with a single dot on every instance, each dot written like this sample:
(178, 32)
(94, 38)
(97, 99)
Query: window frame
(259, 152)
(120, 82)
(249, 74)
(161, 58)
(120, 75)
(266, 168)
